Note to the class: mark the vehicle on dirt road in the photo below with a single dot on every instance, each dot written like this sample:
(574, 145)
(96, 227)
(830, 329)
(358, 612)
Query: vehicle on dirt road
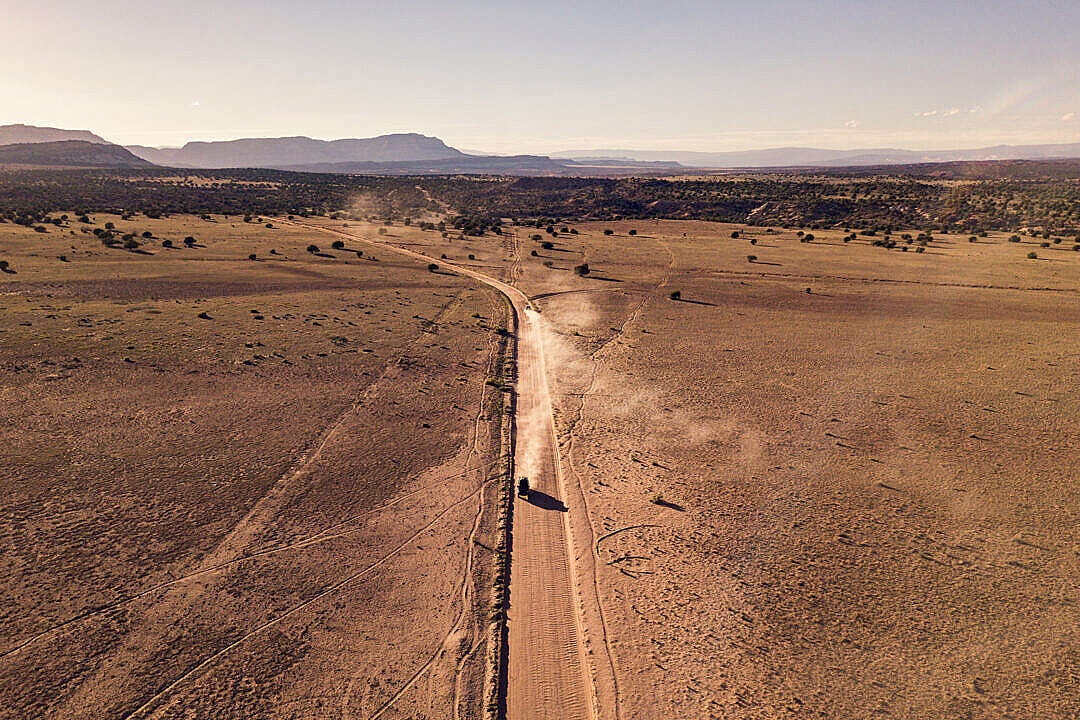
(523, 486)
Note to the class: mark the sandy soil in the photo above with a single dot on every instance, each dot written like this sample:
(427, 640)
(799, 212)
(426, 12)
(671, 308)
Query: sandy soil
(835, 482)
(241, 488)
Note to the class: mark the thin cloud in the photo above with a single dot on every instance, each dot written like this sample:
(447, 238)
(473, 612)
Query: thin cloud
(1067, 117)
(928, 113)
(851, 124)
(952, 111)
(196, 103)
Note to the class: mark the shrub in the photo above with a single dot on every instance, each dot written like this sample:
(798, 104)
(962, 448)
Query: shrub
(313, 248)
(735, 234)
(1057, 241)
(4, 265)
(189, 240)
(1076, 247)
(131, 243)
(753, 241)
(338, 245)
(675, 295)
(166, 243)
(1014, 238)
(1032, 255)
(751, 258)
(1044, 244)
(443, 256)
(920, 249)
(609, 231)
(252, 257)
(808, 238)
(147, 234)
(471, 256)
(972, 239)
(632, 232)
(547, 245)
(582, 269)
(432, 267)
(359, 253)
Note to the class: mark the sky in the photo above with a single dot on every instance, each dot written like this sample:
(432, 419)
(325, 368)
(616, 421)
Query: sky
(535, 77)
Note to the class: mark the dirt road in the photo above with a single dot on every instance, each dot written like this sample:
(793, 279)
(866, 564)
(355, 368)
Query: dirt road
(548, 674)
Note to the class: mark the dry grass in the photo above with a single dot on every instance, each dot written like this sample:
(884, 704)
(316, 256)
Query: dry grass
(873, 480)
(181, 412)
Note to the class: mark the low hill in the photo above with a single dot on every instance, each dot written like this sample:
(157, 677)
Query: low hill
(13, 134)
(70, 153)
(300, 151)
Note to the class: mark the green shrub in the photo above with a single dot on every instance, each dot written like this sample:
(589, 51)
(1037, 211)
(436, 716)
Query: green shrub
(1032, 255)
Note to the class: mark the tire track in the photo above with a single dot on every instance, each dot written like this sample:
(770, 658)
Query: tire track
(297, 608)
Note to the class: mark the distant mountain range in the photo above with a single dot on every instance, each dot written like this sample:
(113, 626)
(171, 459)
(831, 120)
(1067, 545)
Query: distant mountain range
(70, 153)
(12, 134)
(299, 151)
(413, 153)
(817, 157)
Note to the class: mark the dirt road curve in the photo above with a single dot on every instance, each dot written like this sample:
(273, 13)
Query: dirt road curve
(548, 675)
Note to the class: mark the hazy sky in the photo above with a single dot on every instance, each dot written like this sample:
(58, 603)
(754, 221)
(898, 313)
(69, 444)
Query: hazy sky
(550, 75)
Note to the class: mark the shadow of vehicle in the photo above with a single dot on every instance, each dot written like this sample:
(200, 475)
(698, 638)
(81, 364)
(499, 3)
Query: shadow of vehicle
(544, 501)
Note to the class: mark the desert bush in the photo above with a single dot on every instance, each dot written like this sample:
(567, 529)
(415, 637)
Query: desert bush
(1014, 238)
(547, 245)
(443, 256)
(735, 234)
(751, 258)
(675, 295)
(313, 248)
(131, 243)
(632, 232)
(972, 239)
(166, 243)
(753, 241)
(1044, 244)
(582, 269)
(4, 264)
(808, 238)
(1032, 255)
(920, 249)
(252, 257)
(471, 256)
(338, 245)
(432, 267)
(147, 234)
(609, 231)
